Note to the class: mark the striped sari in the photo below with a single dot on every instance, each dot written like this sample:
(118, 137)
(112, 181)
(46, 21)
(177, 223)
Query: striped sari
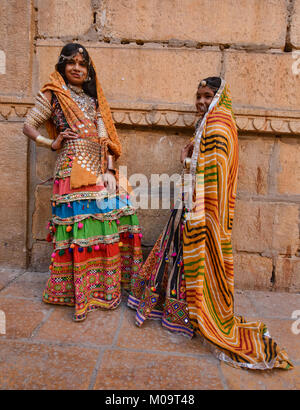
(207, 251)
(188, 278)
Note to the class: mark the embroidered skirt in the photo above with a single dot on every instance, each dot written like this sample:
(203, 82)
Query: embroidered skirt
(96, 248)
(158, 289)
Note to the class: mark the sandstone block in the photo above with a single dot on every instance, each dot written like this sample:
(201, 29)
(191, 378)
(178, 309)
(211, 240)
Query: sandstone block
(24, 365)
(287, 275)
(147, 153)
(154, 372)
(16, 47)
(152, 151)
(40, 256)
(64, 18)
(254, 161)
(150, 74)
(47, 57)
(288, 175)
(252, 271)
(152, 223)
(264, 227)
(13, 191)
(252, 78)
(295, 25)
(45, 162)
(42, 212)
(155, 20)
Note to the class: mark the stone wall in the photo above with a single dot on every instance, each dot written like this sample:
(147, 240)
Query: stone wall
(150, 56)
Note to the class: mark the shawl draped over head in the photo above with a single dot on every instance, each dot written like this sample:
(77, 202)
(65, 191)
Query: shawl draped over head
(75, 116)
(207, 250)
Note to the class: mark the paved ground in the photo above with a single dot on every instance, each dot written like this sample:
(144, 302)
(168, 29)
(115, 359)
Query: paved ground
(44, 349)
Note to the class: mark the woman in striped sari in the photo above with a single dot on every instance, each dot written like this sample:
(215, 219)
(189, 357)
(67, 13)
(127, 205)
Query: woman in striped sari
(187, 280)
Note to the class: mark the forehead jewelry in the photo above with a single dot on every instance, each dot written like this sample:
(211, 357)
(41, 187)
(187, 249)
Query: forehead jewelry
(63, 58)
(203, 83)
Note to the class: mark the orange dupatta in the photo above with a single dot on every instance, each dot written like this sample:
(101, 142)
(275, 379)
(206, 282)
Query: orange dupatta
(74, 115)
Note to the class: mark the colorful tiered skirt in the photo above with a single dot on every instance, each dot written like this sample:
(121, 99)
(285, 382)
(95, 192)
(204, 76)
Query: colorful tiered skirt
(97, 248)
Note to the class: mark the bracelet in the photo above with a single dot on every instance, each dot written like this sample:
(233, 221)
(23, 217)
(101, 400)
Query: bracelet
(110, 164)
(43, 142)
(187, 163)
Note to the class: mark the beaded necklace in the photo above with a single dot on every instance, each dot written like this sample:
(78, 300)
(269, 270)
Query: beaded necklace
(84, 102)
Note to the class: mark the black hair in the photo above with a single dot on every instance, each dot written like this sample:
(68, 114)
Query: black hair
(212, 82)
(69, 50)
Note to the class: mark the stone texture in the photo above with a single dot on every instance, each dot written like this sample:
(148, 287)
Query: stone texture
(252, 77)
(155, 20)
(287, 275)
(240, 379)
(44, 349)
(13, 195)
(153, 337)
(152, 147)
(40, 255)
(288, 175)
(295, 25)
(33, 366)
(243, 305)
(125, 76)
(97, 331)
(266, 227)
(252, 271)
(254, 163)
(42, 212)
(29, 285)
(152, 223)
(17, 47)
(45, 162)
(136, 371)
(22, 318)
(64, 17)
(8, 275)
(274, 305)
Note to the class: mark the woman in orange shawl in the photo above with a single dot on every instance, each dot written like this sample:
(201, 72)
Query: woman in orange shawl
(94, 229)
(188, 279)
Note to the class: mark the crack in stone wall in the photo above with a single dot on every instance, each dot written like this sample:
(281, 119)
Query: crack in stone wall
(99, 32)
(290, 9)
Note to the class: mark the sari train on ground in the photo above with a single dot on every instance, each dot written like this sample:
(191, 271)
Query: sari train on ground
(188, 279)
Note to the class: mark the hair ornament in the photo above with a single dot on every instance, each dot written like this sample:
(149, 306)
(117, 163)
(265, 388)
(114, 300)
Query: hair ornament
(203, 83)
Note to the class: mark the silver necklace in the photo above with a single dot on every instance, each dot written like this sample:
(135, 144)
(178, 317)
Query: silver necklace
(84, 102)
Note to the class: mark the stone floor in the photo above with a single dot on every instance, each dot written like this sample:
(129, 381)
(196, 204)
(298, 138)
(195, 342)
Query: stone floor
(44, 349)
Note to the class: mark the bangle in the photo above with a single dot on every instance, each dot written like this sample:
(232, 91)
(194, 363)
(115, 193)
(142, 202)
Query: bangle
(187, 163)
(43, 142)
(110, 164)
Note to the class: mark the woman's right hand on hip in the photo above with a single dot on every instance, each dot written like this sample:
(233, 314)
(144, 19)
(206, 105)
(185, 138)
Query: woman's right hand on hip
(68, 134)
